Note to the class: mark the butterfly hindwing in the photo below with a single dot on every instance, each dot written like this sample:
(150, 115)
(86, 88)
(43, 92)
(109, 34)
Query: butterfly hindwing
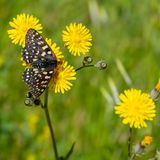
(37, 79)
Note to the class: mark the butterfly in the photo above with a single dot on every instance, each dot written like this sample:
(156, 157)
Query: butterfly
(42, 60)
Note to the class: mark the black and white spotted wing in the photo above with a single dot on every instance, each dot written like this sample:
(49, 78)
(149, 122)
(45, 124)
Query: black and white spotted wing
(36, 48)
(43, 61)
(28, 57)
(37, 79)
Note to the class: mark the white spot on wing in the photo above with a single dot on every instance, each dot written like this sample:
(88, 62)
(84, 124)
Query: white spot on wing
(43, 53)
(50, 72)
(49, 52)
(44, 47)
(45, 73)
(43, 82)
(47, 77)
(39, 43)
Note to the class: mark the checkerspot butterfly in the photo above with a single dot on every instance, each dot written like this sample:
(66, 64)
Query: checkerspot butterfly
(42, 60)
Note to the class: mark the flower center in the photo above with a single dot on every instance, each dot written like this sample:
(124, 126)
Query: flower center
(76, 38)
(135, 109)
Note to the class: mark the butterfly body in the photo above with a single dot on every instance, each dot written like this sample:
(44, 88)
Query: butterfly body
(42, 61)
(45, 63)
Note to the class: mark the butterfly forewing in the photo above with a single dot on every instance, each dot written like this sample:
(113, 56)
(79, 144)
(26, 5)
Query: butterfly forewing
(35, 44)
(28, 57)
(37, 53)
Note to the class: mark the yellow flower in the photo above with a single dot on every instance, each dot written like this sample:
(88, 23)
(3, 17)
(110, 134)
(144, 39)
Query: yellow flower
(60, 80)
(158, 86)
(20, 25)
(77, 38)
(32, 122)
(1, 60)
(55, 49)
(135, 107)
(44, 136)
(155, 92)
(147, 140)
(30, 157)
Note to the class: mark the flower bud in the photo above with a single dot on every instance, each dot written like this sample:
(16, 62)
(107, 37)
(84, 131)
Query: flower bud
(37, 101)
(101, 65)
(87, 60)
(147, 140)
(28, 102)
(154, 94)
(138, 149)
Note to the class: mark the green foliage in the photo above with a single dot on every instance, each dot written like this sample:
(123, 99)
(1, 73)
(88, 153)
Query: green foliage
(125, 30)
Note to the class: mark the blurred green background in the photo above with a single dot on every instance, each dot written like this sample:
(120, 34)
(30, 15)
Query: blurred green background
(126, 34)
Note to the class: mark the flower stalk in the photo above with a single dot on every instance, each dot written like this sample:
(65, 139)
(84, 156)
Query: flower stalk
(84, 66)
(45, 108)
(129, 143)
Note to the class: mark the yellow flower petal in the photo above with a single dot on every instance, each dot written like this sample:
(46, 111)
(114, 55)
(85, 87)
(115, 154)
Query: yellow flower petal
(55, 49)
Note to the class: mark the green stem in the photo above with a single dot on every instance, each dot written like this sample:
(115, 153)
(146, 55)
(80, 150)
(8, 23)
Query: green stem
(84, 66)
(45, 107)
(129, 143)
